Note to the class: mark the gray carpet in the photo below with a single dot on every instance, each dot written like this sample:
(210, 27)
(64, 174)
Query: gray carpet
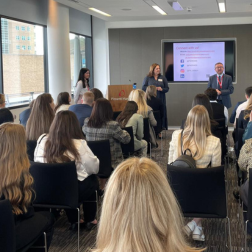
(65, 240)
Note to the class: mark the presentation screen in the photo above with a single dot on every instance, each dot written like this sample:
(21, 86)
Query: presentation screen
(194, 61)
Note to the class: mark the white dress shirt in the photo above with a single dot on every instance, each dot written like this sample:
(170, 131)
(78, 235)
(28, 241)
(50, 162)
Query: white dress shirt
(241, 107)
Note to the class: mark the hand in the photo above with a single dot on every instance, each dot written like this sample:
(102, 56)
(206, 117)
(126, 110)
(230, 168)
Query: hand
(218, 91)
(250, 116)
(159, 89)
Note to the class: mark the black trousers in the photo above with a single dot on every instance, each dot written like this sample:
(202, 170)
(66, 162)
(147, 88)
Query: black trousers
(87, 189)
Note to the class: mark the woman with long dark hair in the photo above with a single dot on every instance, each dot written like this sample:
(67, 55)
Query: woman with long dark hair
(129, 118)
(16, 186)
(65, 143)
(82, 85)
(63, 102)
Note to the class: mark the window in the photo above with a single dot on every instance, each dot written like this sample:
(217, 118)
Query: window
(17, 37)
(28, 28)
(82, 45)
(17, 28)
(26, 80)
(28, 38)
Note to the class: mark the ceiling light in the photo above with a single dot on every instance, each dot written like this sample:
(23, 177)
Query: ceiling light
(159, 10)
(100, 12)
(222, 7)
(176, 6)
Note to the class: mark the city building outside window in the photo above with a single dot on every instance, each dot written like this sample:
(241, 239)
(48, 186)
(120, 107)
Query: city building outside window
(17, 37)
(23, 37)
(22, 70)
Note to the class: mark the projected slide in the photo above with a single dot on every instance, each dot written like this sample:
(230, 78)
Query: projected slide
(195, 61)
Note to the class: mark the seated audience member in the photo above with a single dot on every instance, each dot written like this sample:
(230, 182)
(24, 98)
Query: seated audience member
(219, 110)
(54, 148)
(82, 111)
(16, 186)
(146, 111)
(248, 92)
(130, 118)
(232, 117)
(6, 116)
(155, 103)
(2, 101)
(41, 117)
(100, 126)
(23, 116)
(140, 212)
(63, 102)
(97, 93)
(248, 131)
(204, 147)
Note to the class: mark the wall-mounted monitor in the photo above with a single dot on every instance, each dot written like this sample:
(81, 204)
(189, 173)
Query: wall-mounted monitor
(186, 61)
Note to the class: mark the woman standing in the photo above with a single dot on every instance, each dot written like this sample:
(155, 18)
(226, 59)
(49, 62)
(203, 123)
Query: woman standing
(130, 118)
(205, 149)
(155, 78)
(82, 85)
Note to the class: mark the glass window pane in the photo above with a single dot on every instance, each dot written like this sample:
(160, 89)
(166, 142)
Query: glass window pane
(23, 61)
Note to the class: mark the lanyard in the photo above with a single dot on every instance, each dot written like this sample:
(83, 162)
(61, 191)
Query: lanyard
(220, 82)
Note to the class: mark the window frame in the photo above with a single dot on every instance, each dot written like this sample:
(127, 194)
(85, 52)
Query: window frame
(46, 79)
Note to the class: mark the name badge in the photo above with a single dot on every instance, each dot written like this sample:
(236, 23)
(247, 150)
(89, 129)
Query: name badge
(160, 79)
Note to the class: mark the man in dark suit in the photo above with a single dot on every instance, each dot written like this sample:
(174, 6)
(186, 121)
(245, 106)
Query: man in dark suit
(222, 83)
(82, 111)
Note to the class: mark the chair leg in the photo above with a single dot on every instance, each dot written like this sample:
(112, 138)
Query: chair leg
(229, 234)
(78, 210)
(45, 241)
(246, 234)
(96, 195)
(161, 143)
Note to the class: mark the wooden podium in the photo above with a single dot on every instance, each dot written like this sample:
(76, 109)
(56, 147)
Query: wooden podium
(118, 95)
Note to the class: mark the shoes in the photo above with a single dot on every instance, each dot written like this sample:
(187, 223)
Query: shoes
(189, 228)
(236, 194)
(90, 226)
(74, 226)
(198, 234)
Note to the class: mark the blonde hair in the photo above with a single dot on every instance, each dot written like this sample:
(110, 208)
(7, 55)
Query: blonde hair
(2, 99)
(88, 97)
(249, 107)
(15, 179)
(41, 117)
(197, 129)
(152, 68)
(140, 212)
(138, 96)
(151, 91)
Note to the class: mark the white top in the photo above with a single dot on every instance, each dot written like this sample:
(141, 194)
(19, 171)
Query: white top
(225, 113)
(79, 91)
(62, 107)
(87, 165)
(241, 107)
(211, 154)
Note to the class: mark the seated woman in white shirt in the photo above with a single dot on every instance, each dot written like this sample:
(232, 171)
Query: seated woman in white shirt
(63, 102)
(130, 118)
(65, 143)
(205, 149)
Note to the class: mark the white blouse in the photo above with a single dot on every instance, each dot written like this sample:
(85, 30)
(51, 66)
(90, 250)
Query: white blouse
(87, 165)
(79, 91)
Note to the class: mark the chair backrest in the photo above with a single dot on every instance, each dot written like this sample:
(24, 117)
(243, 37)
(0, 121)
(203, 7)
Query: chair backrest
(157, 116)
(55, 184)
(239, 140)
(31, 146)
(200, 192)
(7, 227)
(116, 114)
(146, 130)
(101, 149)
(249, 214)
(129, 147)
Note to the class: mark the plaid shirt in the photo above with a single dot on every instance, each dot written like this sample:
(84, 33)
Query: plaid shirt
(211, 154)
(245, 157)
(111, 131)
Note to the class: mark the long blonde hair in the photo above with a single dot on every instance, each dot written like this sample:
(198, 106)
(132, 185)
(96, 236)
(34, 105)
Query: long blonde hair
(138, 96)
(197, 129)
(151, 91)
(15, 179)
(140, 212)
(41, 117)
(249, 107)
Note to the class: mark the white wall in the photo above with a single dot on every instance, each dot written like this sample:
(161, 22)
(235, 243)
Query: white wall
(100, 54)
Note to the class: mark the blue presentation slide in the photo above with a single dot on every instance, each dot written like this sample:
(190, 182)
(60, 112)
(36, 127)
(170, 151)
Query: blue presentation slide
(195, 61)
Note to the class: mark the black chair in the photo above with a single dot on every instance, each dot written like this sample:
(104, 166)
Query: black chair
(31, 146)
(101, 149)
(116, 114)
(158, 128)
(242, 123)
(224, 131)
(56, 186)
(128, 149)
(147, 134)
(7, 227)
(201, 193)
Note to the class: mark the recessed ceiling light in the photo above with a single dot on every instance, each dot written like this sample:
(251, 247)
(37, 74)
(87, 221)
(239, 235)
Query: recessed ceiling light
(159, 10)
(126, 9)
(222, 7)
(100, 12)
